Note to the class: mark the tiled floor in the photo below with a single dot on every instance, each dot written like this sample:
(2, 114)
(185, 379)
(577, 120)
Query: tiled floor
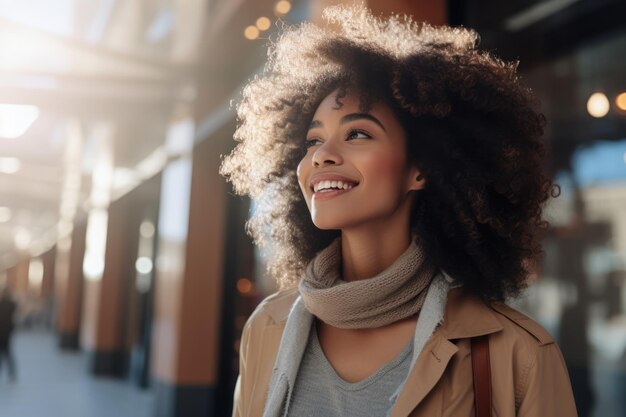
(52, 383)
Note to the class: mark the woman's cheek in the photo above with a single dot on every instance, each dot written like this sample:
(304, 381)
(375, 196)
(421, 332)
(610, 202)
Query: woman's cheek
(386, 168)
(301, 175)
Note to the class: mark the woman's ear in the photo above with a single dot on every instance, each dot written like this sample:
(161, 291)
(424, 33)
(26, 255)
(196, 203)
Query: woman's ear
(416, 180)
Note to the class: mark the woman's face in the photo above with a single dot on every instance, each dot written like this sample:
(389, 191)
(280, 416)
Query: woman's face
(355, 170)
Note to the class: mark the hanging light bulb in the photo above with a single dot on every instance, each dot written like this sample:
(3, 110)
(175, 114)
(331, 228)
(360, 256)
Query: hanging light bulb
(598, 105)
(251, 32)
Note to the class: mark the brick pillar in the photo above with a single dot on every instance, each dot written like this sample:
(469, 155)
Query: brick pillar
(189, 279)
(21, 276)
(69, 286)
(109, 311)
(47, 283)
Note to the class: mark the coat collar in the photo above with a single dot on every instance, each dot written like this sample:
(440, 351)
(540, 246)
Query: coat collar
(279, 305)
(468, 316)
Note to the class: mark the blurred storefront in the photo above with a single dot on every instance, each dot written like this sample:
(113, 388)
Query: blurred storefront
(573, 55)
(116, 228)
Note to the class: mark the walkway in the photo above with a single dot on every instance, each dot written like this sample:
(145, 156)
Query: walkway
(53, 383)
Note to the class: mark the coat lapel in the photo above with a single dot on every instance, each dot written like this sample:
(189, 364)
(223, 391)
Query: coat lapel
(427, 370)
(293, 342)
(466, 316)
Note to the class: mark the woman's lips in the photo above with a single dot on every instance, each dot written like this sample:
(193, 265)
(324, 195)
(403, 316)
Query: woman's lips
(330, 193)
(339, 185)
(331, 180)
(328, 185)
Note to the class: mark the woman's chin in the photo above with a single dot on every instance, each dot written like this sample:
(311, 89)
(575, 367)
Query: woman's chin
(325, 223)
(325, 226)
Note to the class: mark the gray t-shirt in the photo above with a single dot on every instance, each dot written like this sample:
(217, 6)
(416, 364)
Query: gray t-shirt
(320, 392)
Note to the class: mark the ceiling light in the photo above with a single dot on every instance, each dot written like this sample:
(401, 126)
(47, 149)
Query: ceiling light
(282, 7)
(146, 229)
(9, 165)
(143, 265)
(263, 23)
(251, 32)
(598, 105)
(15, 119)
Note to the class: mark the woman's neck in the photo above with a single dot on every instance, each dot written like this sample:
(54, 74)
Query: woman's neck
(366, 253)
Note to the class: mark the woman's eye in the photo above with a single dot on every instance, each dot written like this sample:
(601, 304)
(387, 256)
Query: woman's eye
(311, 142)
(353, 134)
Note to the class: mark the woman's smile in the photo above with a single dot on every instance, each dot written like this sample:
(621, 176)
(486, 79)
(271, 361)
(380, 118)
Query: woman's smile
(328, 185)
(328, 193)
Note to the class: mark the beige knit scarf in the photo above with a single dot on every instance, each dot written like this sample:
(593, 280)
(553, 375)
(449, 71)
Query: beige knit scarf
(396, 293)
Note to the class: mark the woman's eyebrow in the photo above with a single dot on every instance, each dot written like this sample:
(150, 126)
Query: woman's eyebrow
(314, 124)
(355, 116)
(349, 118)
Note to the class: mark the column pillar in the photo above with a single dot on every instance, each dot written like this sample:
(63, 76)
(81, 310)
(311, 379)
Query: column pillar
(11, 278)
(21, 276)
(189, 275)
(69, 286)
(110, 309)
(101, 304)
(47, 282)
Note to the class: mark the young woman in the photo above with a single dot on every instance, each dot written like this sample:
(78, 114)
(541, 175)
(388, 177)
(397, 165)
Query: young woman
(399, 179)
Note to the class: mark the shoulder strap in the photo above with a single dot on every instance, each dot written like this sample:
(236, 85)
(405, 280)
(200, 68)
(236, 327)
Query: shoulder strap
(481, 369)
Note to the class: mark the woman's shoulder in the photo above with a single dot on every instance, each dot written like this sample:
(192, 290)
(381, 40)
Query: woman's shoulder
(524, 357)
(527, 352)
(468, 315)
(274, 308)
(517, 324)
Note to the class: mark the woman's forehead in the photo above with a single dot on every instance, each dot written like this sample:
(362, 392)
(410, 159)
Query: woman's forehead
(352, 100)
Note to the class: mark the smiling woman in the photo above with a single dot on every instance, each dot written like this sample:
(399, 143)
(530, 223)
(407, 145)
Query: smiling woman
(400, 175)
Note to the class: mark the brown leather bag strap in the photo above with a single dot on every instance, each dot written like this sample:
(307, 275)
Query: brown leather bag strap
(481, 368)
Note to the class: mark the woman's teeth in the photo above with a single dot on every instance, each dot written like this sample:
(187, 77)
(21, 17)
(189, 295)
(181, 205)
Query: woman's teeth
(330, 185)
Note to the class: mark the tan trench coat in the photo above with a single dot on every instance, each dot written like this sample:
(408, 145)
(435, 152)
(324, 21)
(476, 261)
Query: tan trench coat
(529, 378)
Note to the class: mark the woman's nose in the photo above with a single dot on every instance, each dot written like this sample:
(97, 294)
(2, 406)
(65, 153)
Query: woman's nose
(326, 154)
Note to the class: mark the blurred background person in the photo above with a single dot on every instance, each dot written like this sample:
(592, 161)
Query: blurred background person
(7, 313)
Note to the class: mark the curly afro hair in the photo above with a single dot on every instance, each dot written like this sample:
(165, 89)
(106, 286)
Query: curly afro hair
(470, 125)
